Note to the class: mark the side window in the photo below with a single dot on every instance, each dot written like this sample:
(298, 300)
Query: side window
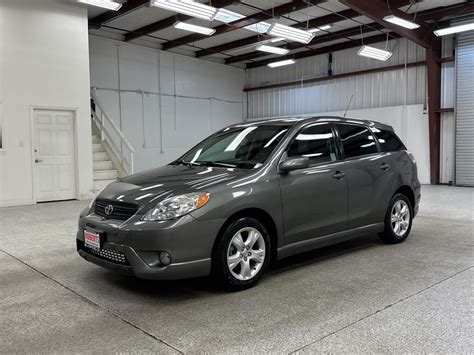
(315, 142)
(356, 140)
(388, 141)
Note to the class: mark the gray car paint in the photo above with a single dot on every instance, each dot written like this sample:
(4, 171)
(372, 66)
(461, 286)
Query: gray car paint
(309, 207)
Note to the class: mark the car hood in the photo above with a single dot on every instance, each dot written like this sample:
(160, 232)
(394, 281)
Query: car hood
(152, 186)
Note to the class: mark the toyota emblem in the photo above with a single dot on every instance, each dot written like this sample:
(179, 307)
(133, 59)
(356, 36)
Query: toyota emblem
(109, 209)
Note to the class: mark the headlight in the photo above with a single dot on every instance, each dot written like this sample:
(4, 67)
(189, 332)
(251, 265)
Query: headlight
(176, 206)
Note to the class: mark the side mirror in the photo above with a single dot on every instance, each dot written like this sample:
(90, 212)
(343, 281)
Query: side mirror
(294, 163)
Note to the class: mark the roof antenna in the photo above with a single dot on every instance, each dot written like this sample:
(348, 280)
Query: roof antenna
(347, 108)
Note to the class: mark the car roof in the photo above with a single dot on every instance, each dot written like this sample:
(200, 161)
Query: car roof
(291, 121)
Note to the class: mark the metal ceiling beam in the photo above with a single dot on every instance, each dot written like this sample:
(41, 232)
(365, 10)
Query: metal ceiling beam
(327, 49)
(129, 6)
(313, 23)
(339, 76)
(431, 14)
(155, 26)
(317, 22)
(377, 9)
(441, 12)
(328, 37)
(168, 22)
(247, 21)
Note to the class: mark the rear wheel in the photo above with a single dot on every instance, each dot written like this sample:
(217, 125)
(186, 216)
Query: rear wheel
(398, 220)
(242, 254)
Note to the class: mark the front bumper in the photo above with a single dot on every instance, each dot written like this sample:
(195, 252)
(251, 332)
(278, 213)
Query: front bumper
(132, 247)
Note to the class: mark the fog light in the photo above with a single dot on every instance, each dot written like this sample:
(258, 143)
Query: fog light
(165, 258)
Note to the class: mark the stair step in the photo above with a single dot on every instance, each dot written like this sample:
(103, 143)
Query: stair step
(103, 165)
(105, 174)
(100, 156)
(97, 147)
(95, 139)
(100, 184)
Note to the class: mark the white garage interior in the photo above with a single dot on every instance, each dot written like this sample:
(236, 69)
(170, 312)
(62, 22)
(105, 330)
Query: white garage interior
(89, 95)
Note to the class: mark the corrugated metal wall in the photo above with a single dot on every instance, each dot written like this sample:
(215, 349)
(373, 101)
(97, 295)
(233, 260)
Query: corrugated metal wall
(465, 109)
(390, 88)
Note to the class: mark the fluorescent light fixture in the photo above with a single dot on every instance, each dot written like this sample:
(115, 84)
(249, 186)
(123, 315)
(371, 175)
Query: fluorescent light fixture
(274, 40)
(260, 27)
(193, 28)
(227, 16)
(374, 53)
(106, 4)
(290, 33)
(271, 49)
(322, 28)
(401, 22)
(187, 7)
(454, 29)
(281, 63)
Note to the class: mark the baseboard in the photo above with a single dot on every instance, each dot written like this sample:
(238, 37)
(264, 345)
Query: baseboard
(13, 203)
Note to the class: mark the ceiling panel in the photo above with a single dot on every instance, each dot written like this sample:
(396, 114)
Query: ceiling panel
(141, 17)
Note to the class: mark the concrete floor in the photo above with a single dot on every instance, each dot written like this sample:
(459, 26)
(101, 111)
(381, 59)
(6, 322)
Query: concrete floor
(360, 296)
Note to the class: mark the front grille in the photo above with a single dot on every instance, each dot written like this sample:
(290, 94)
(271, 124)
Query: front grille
(111, 255)
(105, 254)
(120, 210)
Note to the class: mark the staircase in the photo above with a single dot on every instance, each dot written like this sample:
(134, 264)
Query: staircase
(111, 151)
(104, 170)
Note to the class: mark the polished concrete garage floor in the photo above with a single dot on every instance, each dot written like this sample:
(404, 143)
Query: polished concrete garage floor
(360, 296)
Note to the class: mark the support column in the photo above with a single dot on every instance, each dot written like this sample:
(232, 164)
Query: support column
(433, 69)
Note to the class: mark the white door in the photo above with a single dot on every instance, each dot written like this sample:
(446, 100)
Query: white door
(54, 155)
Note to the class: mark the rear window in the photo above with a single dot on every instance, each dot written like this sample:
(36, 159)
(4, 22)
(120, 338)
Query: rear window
(356, 140)
(388, 140)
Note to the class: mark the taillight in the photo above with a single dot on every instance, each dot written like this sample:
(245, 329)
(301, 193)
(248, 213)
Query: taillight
(412, 157)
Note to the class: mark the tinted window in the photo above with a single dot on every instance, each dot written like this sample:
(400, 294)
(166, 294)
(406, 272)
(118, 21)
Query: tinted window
(239, 146)
(388, 141)
(315, 142)
(356, 140)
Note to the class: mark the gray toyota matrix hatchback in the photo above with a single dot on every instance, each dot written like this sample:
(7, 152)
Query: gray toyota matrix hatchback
(252, 193)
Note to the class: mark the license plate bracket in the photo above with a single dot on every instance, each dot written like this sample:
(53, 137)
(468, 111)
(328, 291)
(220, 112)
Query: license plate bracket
(92, 240)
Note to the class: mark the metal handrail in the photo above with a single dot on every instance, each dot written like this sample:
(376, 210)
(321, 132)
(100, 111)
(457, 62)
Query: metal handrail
(105, 135)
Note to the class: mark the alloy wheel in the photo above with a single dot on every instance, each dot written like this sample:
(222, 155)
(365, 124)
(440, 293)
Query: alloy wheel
(246, 253)
(400, 218)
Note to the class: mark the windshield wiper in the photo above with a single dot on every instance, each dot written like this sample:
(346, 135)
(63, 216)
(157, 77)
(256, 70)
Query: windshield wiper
(215, 163)
(187, 163)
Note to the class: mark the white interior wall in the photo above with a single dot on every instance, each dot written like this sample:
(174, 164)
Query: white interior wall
(44, 61)
(197, 97)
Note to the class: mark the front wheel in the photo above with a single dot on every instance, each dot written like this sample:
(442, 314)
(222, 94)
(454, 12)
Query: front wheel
(242, 254)
(398, 220)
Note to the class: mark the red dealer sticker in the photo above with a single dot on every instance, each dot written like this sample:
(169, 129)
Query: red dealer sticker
(92, 240)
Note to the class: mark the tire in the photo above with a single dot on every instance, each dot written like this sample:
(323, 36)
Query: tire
(398, 220)
(239, 263)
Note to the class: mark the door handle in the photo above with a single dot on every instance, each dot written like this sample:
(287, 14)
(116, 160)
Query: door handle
(338, 175)
(384, 167)
(38, 160)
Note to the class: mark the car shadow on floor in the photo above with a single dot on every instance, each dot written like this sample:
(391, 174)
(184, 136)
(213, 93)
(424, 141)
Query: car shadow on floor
(196, 287)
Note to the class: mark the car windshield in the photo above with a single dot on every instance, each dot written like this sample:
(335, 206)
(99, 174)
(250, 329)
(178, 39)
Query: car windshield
(236, 147)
